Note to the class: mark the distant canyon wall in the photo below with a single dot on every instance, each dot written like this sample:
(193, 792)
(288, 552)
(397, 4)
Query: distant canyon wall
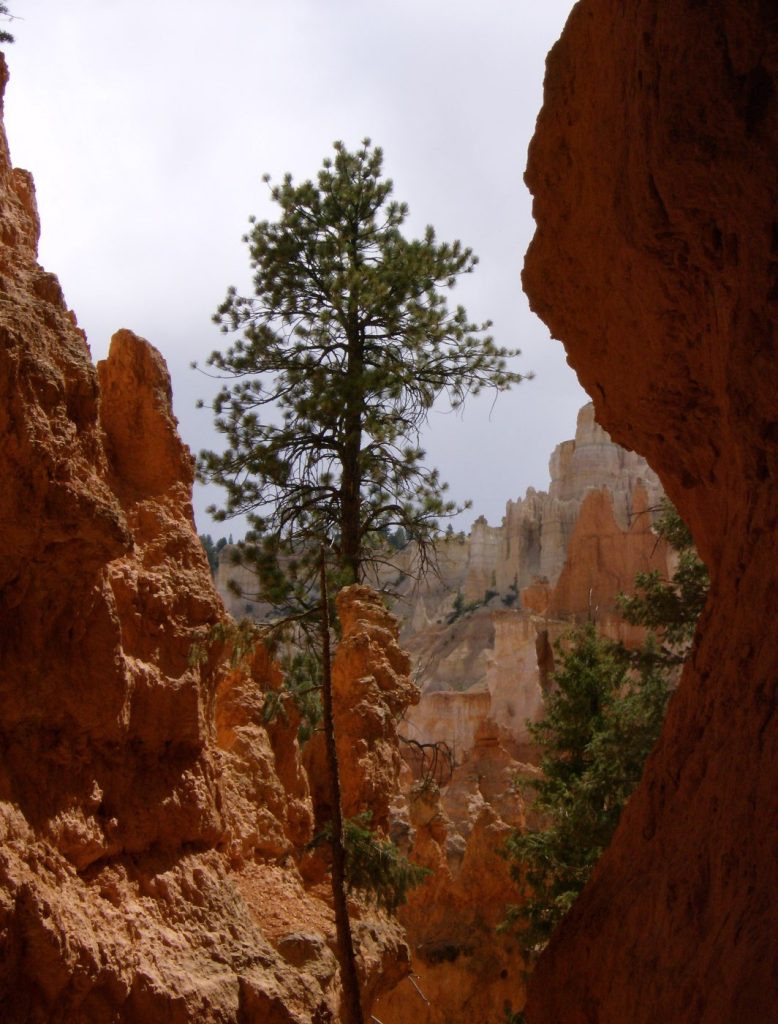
(533, 540)
(482, 630)
(530, 544)
(480, 627)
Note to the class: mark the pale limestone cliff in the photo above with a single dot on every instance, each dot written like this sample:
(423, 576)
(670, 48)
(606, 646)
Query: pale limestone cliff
(237, 587)
(481, 630)
(533, 539)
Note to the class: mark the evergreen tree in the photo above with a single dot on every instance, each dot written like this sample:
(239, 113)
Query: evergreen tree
(345, 345)
(602, 719)
(5, 37)
(670, 608)
(600, 723)
(212, 550)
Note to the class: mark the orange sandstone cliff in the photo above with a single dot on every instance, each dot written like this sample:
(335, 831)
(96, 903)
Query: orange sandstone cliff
(655, 260)
(152, 825)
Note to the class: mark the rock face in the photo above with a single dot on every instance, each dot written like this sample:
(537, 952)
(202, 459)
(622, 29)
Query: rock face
(533, 539)
(483, 672)
(480, 668)
(603, 559)
(538, 529)
(481, 630)
(463, 969)
(535, 533)
(371, 690)
(236, 585)
(656, 261)
(152, 823)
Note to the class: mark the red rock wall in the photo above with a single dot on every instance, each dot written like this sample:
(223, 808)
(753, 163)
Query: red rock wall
(655, 260)
(463, 969)
(603, 560)
(151, 822)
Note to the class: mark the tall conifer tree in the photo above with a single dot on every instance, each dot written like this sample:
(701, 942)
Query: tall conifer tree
(345, 344)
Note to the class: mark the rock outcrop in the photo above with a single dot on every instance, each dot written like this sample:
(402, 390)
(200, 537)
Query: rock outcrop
(463, 970)
(371, 691)
(655, 260)
(481, 629)
(535, 534)
(152, 821)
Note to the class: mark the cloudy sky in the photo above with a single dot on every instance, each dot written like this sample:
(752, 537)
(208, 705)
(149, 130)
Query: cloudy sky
(148, 128)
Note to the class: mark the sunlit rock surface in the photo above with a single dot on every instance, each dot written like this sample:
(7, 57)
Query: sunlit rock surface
(153, 822)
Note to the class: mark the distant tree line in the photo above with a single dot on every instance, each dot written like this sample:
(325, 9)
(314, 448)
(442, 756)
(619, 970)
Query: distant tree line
(213, 549)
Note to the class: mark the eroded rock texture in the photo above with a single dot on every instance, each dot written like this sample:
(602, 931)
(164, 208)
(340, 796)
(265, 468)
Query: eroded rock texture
(481, 629)
(655, 260)
(463, 970)
(152, 822)
(371, 690)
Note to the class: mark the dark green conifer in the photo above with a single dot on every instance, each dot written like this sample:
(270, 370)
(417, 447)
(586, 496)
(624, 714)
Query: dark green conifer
(345, 344)
(670, 608)
(602, 718)
(5, 37)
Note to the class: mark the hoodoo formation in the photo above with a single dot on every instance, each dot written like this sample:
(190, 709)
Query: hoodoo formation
(481, 626)
(480, 631)
(478, 628)
(153, 826)
(655, 261)
(155, 822)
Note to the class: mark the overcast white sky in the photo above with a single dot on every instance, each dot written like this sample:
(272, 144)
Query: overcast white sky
(148, 127)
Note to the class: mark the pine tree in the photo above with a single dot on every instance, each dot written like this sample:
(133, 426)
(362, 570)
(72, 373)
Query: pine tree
(345, 345)
(5, 37)
(670, 608)
(602, 719)
(212, 549)
(600, 723)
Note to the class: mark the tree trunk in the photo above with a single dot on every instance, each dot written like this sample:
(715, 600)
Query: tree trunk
(350, 524)
(351, 470)
(352, 1005)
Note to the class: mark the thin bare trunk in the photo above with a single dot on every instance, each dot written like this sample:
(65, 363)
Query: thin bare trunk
(350, 506)
(352, 1005)
(351, 459)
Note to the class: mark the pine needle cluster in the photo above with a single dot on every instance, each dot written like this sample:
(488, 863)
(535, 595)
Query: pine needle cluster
(374, 865)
